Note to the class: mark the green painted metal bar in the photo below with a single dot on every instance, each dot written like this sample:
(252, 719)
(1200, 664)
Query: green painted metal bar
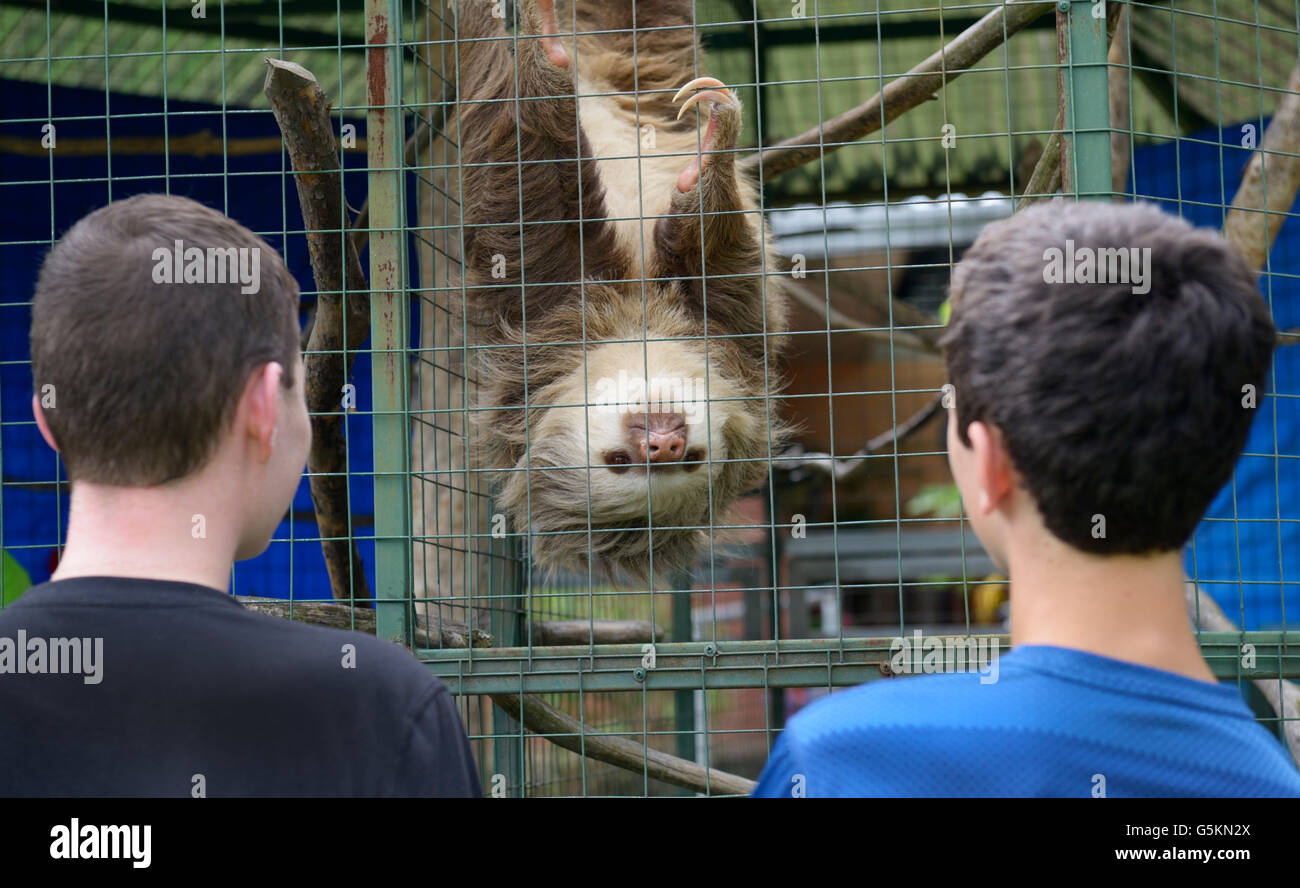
(1085, 99)
(683, 701)
(781, 664)
(388, 318)
(507, 621)
(776, 537)
(510, 604)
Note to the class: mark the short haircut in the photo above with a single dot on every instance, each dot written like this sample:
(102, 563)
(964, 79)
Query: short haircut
(146, 375)
(1114, 403)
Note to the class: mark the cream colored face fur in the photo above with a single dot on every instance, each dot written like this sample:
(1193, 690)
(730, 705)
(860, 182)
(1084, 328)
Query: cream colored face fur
(637, 377)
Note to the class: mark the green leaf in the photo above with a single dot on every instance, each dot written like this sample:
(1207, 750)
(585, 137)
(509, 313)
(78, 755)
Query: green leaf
(14, 581)
(936, 500)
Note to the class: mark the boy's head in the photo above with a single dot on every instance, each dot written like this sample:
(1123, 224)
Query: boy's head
(1124, 399)
(164, 341)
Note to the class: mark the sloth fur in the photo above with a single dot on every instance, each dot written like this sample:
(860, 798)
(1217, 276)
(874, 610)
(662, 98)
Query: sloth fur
(586, 263)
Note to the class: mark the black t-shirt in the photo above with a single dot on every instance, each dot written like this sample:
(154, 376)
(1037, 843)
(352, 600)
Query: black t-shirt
(126, 687)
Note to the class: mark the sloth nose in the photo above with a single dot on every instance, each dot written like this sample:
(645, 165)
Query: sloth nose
(659, 437)
(663, 446)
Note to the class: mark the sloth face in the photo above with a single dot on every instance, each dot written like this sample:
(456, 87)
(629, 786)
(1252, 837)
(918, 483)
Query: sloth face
(649, 422)
(632, 460)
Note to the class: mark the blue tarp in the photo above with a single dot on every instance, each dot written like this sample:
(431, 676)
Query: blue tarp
(44, 196)
(1250, 538)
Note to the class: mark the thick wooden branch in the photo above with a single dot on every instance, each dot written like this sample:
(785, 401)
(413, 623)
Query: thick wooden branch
(302, 112)
(550, 633)
(566, 731)
(1045, 180)
(445, 634)
(452, 633)
(1269, 184)
(1283, 696)
(916, 86)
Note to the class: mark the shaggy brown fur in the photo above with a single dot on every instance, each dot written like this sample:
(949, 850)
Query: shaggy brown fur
(533, 194)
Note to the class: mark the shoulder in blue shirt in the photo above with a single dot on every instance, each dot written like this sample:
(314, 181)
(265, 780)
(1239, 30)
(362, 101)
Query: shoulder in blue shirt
(1057, 722)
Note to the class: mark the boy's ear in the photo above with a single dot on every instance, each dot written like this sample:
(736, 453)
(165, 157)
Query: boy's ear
(992, 464)
(262, 398)
(41, 424)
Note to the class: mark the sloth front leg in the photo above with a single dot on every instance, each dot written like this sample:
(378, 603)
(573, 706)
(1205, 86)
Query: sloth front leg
(528, 96)
(548, 27)
(543, 60)
(720, 134)
(707, 205)
(476, 28)
(710, 236)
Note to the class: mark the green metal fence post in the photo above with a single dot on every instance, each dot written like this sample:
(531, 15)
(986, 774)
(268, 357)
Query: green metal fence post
(388, 316)
(683, 701)
(1085, 99)
(508, 575)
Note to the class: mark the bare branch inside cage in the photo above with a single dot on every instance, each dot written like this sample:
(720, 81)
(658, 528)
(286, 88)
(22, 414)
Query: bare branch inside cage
(338, 329)
(915, 87)
(1269, 185)
(566, 731)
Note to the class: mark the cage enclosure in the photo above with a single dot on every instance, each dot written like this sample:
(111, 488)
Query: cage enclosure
(879, 141)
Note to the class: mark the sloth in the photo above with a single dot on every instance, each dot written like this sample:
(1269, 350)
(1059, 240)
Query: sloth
(624, 298)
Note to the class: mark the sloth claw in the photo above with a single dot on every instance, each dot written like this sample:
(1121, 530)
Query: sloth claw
(714, 91)
(721, 94)
(551, 44)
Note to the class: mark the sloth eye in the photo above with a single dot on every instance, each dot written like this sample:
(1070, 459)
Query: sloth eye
(692, 459)
(618, 461)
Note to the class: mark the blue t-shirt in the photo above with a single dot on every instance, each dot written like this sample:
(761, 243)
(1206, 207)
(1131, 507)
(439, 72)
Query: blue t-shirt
(1056, 722)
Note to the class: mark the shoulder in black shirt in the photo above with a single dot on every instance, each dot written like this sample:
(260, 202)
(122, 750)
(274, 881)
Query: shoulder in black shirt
(178, 690)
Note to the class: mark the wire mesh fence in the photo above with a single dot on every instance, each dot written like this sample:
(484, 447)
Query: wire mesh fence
(879, 141)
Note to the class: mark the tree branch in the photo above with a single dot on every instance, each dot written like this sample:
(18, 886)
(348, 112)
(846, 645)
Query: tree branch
(447, 634)
(916, 86)
(1257, 214)
(1045, 180)
(302, 113)
(551, 633)
(566, 731)
(454, 634)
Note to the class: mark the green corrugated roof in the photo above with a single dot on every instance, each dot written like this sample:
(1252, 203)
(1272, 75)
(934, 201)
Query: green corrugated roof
(202, 57)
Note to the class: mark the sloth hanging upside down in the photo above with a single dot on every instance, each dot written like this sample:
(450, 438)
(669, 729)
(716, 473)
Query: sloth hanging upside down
(624, 297)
